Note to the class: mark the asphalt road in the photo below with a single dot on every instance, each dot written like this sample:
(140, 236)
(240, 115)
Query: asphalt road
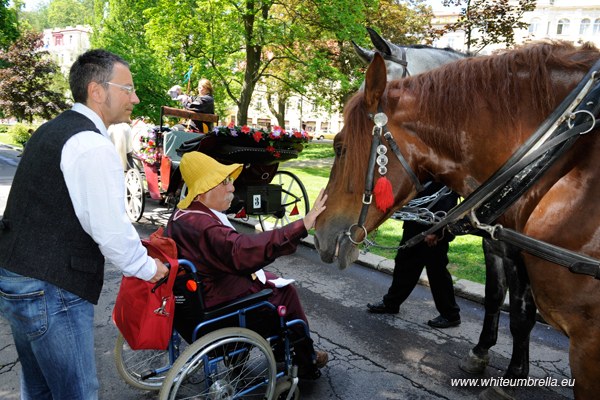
(371, 356)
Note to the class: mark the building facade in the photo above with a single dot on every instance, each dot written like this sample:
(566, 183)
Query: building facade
(576, 21)
(66, 44)
(301, 114)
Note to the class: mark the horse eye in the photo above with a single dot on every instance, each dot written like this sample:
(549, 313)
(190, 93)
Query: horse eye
(339, 151)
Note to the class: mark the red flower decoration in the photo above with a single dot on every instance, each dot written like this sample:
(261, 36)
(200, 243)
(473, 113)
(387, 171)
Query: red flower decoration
(245, 129)
(277, 154)
(231, 125)
(270, 149)
(257, 136)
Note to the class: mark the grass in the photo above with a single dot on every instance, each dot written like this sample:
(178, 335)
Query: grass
(465, 255)
(4, 136)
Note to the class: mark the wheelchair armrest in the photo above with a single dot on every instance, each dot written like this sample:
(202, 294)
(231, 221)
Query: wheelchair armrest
(236, 304)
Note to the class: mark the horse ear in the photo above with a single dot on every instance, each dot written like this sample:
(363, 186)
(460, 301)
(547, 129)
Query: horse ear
(364, 54)
(375, 82)
(380, 43)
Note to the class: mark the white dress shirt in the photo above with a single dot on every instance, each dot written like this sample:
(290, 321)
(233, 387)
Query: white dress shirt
(95, 180)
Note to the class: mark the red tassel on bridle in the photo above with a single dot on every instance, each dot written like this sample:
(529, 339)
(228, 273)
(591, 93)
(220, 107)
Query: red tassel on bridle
(384, 196)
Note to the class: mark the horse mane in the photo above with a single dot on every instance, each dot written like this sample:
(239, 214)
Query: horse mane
(471, 81)
(496, 81)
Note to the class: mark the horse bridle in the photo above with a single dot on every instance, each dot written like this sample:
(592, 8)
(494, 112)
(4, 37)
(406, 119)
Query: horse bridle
(402, 61)
(380, 132)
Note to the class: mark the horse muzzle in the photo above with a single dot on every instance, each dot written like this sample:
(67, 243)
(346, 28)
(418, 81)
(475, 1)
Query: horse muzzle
(337, 247)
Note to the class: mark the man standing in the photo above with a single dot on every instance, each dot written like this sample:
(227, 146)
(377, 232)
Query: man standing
(431, 253)
(65, 214)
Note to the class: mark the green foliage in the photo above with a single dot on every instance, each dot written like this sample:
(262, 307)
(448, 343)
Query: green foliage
(26, 81)
(20, 133)
(9, 30)
(403, 23)
(63, 13)
(123, 31)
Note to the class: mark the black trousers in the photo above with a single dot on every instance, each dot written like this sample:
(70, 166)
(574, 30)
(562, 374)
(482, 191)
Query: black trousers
(409, 264)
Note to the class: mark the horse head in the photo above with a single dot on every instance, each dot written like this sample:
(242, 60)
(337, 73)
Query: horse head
(338, 230)
(403, 61)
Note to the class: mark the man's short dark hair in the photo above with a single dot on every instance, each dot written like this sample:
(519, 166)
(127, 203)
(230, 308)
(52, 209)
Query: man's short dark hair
(92, 66)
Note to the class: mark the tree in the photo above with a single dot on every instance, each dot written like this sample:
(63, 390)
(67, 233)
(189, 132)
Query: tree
(27, 80)
(62, 13)
(241, 44)
(122, 30)
(489, 21)
(403, 23)
(9, 30)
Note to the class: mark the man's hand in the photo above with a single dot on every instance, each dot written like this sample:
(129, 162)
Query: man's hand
(161, 271)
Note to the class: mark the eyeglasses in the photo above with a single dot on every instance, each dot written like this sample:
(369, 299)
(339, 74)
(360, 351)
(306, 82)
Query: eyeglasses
(227, 180)
(128, 88)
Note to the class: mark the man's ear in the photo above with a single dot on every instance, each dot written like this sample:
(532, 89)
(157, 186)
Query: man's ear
(96, 93)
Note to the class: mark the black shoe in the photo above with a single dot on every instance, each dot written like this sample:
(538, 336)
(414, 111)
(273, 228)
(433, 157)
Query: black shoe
(382, 308)
(441, 322)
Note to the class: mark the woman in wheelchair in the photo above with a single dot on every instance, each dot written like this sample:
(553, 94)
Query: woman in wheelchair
(231, 262)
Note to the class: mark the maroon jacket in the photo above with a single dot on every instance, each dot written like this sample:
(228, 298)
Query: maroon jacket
(227, 257)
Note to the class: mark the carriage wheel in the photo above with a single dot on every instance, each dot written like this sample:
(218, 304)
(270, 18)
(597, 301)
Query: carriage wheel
(294, 202)
(134, 196)
(226, 364)
(137, 367)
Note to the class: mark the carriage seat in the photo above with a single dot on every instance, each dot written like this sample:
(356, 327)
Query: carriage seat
(173, 140)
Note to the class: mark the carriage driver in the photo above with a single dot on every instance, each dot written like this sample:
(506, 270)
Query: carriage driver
(232, 262)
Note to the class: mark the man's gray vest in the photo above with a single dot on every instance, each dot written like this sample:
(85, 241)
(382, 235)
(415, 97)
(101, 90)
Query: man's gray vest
(40, 235)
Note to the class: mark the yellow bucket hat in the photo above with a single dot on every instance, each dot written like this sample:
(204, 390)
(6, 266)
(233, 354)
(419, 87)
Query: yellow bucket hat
(202, 173)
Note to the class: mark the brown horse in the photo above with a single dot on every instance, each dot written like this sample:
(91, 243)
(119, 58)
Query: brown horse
(460, 123)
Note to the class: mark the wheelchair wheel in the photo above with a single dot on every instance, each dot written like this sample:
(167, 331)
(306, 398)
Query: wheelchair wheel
(135, 365)
(226, 364)
(135, 197)
(282, 391)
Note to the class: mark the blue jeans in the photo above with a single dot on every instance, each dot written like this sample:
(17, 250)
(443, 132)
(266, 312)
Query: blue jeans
(53, 332)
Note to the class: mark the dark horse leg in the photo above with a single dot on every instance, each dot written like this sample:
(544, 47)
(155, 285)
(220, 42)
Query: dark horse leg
(504, 270)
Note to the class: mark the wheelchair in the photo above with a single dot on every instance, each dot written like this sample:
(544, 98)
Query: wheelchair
(239, 350)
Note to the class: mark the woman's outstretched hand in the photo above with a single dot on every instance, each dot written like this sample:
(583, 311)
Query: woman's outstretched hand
(316, 210)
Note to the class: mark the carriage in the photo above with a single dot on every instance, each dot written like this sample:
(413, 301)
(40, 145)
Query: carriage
(275, 197)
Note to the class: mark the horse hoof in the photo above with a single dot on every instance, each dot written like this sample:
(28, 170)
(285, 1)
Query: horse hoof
(474, 364)
(494, 393)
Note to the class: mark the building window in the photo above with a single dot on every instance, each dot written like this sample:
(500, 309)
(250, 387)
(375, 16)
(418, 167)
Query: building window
(563, 26)
(534, 26)
(584, 27)
(596, 29)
